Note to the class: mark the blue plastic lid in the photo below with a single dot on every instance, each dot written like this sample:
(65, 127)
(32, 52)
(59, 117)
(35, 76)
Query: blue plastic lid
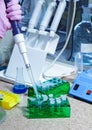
(19, 89)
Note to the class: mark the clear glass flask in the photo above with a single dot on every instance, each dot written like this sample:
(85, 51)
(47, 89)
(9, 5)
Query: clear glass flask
(19, 85)
(83, 37)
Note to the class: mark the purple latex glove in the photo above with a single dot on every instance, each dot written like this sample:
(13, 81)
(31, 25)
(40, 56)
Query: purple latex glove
(13, 12)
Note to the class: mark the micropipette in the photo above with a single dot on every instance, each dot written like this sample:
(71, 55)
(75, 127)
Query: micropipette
(46, 19)
(36, 14)
(19, 40)
(54, 25)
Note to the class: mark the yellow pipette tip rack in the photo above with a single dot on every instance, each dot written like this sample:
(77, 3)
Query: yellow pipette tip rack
(9, 99)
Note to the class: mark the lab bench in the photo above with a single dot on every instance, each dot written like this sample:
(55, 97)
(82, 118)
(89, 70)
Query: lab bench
(80, 119)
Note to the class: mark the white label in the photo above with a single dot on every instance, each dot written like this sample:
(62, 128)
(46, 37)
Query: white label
(86, 48)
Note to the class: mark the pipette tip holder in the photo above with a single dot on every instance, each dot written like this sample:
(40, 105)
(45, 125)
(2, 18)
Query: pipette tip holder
(53, 100)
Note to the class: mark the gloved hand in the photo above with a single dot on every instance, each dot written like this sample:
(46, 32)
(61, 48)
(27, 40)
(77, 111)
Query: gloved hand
(13, 12)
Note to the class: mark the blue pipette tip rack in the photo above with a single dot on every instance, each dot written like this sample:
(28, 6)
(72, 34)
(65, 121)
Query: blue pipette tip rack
(19, 89)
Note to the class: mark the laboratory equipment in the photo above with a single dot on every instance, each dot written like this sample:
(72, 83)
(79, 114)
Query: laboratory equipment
(83, 37)
(27, 7)
(19, 39)
(53, 99)
(45, 22)
(65, 45)
(19, 84)
(55, 85)
(50, 47)
(34, 54)
(51, 108)
(35, 64)
(82, 86)
(36, 14)
(9, 100)
(39, 37)
(79, 63)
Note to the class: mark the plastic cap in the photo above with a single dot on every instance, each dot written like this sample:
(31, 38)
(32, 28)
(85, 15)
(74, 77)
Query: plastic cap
(19, 89)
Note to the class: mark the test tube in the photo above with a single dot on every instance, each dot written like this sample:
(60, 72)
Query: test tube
(63, 99)
(52, 105)
(79, 63)
(51, 96)
(58, 104)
